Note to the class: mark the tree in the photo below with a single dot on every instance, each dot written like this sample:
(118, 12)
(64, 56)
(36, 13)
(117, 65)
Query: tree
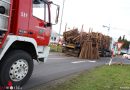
(119, 39)
(125, 41)
(126, 44)
(123, 37)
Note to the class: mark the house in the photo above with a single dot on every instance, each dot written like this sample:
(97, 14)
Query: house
(55, 38)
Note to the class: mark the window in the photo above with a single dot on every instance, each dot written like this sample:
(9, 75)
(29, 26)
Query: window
(41, 11)
(51, 38)
(54, 38)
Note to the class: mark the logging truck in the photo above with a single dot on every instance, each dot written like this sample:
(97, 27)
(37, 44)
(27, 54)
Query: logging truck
(25, 29)
(75, 43)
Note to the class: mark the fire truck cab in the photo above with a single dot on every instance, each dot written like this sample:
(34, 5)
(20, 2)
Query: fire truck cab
(25, 29)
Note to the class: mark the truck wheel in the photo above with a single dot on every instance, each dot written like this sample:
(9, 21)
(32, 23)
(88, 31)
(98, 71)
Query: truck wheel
(16, 67)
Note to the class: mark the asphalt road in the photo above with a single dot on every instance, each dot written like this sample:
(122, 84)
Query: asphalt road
(59, 66)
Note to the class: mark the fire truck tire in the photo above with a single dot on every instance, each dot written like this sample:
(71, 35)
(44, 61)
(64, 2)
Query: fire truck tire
(16, 68)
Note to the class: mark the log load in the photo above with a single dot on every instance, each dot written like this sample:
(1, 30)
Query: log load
(86, 44)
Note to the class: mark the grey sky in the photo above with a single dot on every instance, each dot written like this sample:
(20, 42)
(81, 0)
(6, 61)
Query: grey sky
(95, 13)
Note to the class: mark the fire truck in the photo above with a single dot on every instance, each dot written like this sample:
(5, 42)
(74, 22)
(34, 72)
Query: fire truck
(25, 29)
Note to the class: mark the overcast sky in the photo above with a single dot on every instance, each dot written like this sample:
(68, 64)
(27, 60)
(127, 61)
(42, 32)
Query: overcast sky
(95, 13)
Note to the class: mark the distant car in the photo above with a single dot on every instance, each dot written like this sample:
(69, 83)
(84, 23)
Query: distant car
(126, 56)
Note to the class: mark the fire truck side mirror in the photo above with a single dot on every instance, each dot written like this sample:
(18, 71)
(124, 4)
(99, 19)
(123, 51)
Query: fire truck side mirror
(2, 10)
(57, 16)
(54, 13)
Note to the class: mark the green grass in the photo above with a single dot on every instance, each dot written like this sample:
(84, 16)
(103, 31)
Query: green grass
(55, 48)
(115, 77)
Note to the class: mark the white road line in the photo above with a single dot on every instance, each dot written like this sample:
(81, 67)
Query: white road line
(78, 62)
(91, 61)
(82, 61)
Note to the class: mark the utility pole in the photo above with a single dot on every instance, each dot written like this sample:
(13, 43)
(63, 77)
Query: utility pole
(61, 17)
(61, 21)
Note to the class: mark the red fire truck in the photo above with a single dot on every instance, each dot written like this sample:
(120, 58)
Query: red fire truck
(25, 28)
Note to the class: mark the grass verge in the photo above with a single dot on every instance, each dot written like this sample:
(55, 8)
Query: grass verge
(115, 77)
(55, 48)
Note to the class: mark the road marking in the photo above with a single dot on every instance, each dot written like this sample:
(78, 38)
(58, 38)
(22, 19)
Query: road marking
(78, 61)
(91, 61)
(82, 61)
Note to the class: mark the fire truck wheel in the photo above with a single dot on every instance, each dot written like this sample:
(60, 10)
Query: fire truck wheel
(16, 68)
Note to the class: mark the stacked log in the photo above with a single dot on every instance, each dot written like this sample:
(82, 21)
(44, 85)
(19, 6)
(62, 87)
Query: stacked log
(89, 42)
(89, 49)
(86, 50)
(70, 35)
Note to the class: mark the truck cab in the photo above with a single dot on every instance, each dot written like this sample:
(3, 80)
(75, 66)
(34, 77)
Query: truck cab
(25, 29)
